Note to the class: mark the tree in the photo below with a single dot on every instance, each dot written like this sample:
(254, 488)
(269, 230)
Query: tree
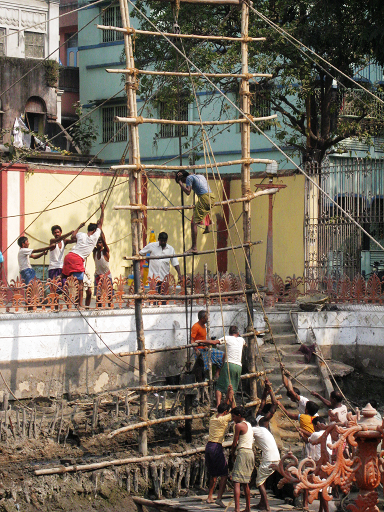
(84, 132)
(302, 91)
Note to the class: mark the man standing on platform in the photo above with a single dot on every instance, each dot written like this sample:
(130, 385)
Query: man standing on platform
(199, 334)
(160, 268)
(198, 183)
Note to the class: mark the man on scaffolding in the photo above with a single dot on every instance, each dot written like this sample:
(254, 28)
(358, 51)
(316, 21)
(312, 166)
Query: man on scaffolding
(199, 184)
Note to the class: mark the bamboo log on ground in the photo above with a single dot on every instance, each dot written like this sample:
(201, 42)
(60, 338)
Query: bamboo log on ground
(120, 462)
(172, 167)
(245, 199)
(180, 73)
(174, 122)
(133, 31)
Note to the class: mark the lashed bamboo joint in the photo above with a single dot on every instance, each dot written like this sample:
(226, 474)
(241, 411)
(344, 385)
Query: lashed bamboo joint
(135, 72)
(133, 31)
(140, 120)
(136, 167)
(248, 197)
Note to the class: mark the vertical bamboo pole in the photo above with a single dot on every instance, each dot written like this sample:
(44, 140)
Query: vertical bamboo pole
(246, 187)
(135, 197)
(207, 307)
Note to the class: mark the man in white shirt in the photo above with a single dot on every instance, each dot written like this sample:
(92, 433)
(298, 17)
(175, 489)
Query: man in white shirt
(265, 441)
(160, 268)
(234, 344)
(337, 410)
(85, 243)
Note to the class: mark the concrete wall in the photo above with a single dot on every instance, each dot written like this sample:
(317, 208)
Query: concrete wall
(53, 353)
(354, 335)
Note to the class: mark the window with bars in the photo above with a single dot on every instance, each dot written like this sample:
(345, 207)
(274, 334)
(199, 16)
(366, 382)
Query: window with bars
(170, 130)
(34, 45)
(261, 105)
(2, 41)
(111, 129)
(112, 17)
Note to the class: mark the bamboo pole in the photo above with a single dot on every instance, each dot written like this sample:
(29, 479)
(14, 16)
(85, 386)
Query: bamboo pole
(120, 462)
(157, 421)
(145, 120)
(180, 73)
(245, 199)
(138, 257)
(128, 167)
(135, 187)
(156, 296)
(134, 31)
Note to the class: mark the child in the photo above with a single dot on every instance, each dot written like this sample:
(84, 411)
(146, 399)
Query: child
(26, 271)
(101, 257)
(306, 429)
(56, 255)
(265, 441)
(315, 453)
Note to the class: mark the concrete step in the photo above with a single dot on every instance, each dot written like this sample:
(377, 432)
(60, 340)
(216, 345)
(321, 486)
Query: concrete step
(282, 328)
(282, 338)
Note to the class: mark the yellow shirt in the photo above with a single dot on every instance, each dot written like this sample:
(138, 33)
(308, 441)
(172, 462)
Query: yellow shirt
(217, 427)
(306, 422)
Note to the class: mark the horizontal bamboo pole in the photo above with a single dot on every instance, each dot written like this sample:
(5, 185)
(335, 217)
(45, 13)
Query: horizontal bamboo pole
(157, 421)
(134, 167)
(131, 30)
(134, 71)
(173, 387)
(119, 462)
(163, 349)
(157, 504)
(208, 251)
(157, 296)
(150, 120)
(255, 333)
(255, 374)
(211, 2)
(249, 197)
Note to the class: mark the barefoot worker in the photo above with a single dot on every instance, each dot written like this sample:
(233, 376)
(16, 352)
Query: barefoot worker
(199, 184)
(245, 459)
(214, 454)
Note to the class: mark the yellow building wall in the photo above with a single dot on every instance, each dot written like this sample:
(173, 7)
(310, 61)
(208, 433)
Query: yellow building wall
(41, 188)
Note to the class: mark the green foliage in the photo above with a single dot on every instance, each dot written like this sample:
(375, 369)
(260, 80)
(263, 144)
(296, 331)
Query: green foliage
(301, 91)
(84, 132)
(51, 68)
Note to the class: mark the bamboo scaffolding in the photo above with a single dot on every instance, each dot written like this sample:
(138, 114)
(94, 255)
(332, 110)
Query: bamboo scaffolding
(208, 251)
(149, 120)
(135, 189)
(134, 31)
(244, 199)
(195, 385)
(157, 296)
(128, 167)
(120, 462)
(185, 74)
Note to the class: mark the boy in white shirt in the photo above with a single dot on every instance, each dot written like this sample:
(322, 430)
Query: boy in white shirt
(26, 271)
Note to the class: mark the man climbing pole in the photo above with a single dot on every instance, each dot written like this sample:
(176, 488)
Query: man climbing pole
(199, 185)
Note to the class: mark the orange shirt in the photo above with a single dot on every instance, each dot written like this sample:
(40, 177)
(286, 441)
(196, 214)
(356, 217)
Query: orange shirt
(306, 422)
(198, 333)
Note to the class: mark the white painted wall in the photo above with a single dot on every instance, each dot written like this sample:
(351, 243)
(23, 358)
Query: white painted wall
(21, 15)
(67, 334)
(13, 208)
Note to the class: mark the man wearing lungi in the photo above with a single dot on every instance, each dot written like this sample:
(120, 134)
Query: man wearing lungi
(85, 243)
(234, 349)
(199, 334)
(214, 454)
(265, 441)
(198, 183)
(245, 459)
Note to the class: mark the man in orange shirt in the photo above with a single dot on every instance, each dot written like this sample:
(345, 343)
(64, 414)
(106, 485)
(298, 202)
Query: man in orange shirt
(199, 333)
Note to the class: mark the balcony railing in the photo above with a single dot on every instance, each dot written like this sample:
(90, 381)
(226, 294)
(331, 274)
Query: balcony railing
(69, 79)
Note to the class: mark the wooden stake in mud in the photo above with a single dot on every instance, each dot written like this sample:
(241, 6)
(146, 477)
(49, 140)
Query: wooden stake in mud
(246, 185)
(135, 186)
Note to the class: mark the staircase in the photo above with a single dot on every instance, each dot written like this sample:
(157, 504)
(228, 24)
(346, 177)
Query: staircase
(284, 335)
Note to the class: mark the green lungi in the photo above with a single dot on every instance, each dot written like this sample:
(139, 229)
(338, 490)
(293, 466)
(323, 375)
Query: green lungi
(223, 380)
(203, 207)
(243, 467)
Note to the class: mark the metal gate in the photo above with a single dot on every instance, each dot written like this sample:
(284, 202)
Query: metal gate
(333, 244)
